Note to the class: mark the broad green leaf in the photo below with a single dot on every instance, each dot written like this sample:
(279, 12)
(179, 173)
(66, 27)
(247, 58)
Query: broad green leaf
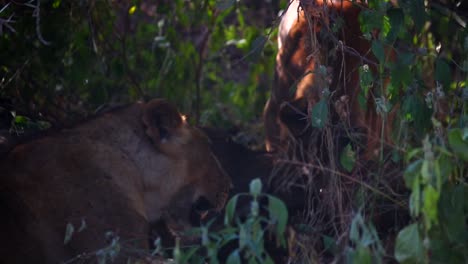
(56, 3)
(234, 258)
(279, 212)
(447, 166)
(412, 171)
(396, 17)
(378, 50)
(418, 13)
(426, 171)
(362, 255)
(348, 158)
(401, 75)
(21, 121)
(409, 246)
(458, 145)
(370, 20)
(442, 72)
(230, 209)
(187, 255)
(452, 214)
(320, 114)
(268, 260)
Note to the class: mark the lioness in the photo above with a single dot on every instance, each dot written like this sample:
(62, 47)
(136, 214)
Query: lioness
(117, 172)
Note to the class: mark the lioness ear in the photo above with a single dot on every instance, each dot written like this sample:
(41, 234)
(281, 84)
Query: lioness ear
(162, 120)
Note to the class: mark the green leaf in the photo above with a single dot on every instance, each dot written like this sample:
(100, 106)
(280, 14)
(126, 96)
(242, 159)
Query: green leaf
(418, 13)
(132, 10)
(396, 17)
(255, 187)
(348, 158)
(431, 199)
(320, 114)
(56, 3)
(279, 212)
(451, 211)
(458, 144)
(362, 255)
(412, 172)
(234, 258)
(69, 230)
(230, 209)
(409, 246)
(378, 50)
(21, 121)
(442, 72)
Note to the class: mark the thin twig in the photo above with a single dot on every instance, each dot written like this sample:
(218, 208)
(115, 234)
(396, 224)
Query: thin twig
(347, 177)
(37, 14)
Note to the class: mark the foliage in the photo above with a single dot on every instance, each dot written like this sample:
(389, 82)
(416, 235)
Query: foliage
(436, 173)
(248, 231)
(61, 60)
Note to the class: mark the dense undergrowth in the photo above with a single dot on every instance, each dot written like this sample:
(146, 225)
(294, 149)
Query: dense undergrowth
(62, 61)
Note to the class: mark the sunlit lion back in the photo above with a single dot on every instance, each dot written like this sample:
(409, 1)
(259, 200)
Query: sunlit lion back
(320, 51)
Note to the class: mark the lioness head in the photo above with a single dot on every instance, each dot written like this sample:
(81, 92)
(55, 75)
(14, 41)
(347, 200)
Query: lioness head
(189, 149)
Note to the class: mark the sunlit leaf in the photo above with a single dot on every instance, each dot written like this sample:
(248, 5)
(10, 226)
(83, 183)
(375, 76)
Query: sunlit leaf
(132, 10)
(431, 199)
